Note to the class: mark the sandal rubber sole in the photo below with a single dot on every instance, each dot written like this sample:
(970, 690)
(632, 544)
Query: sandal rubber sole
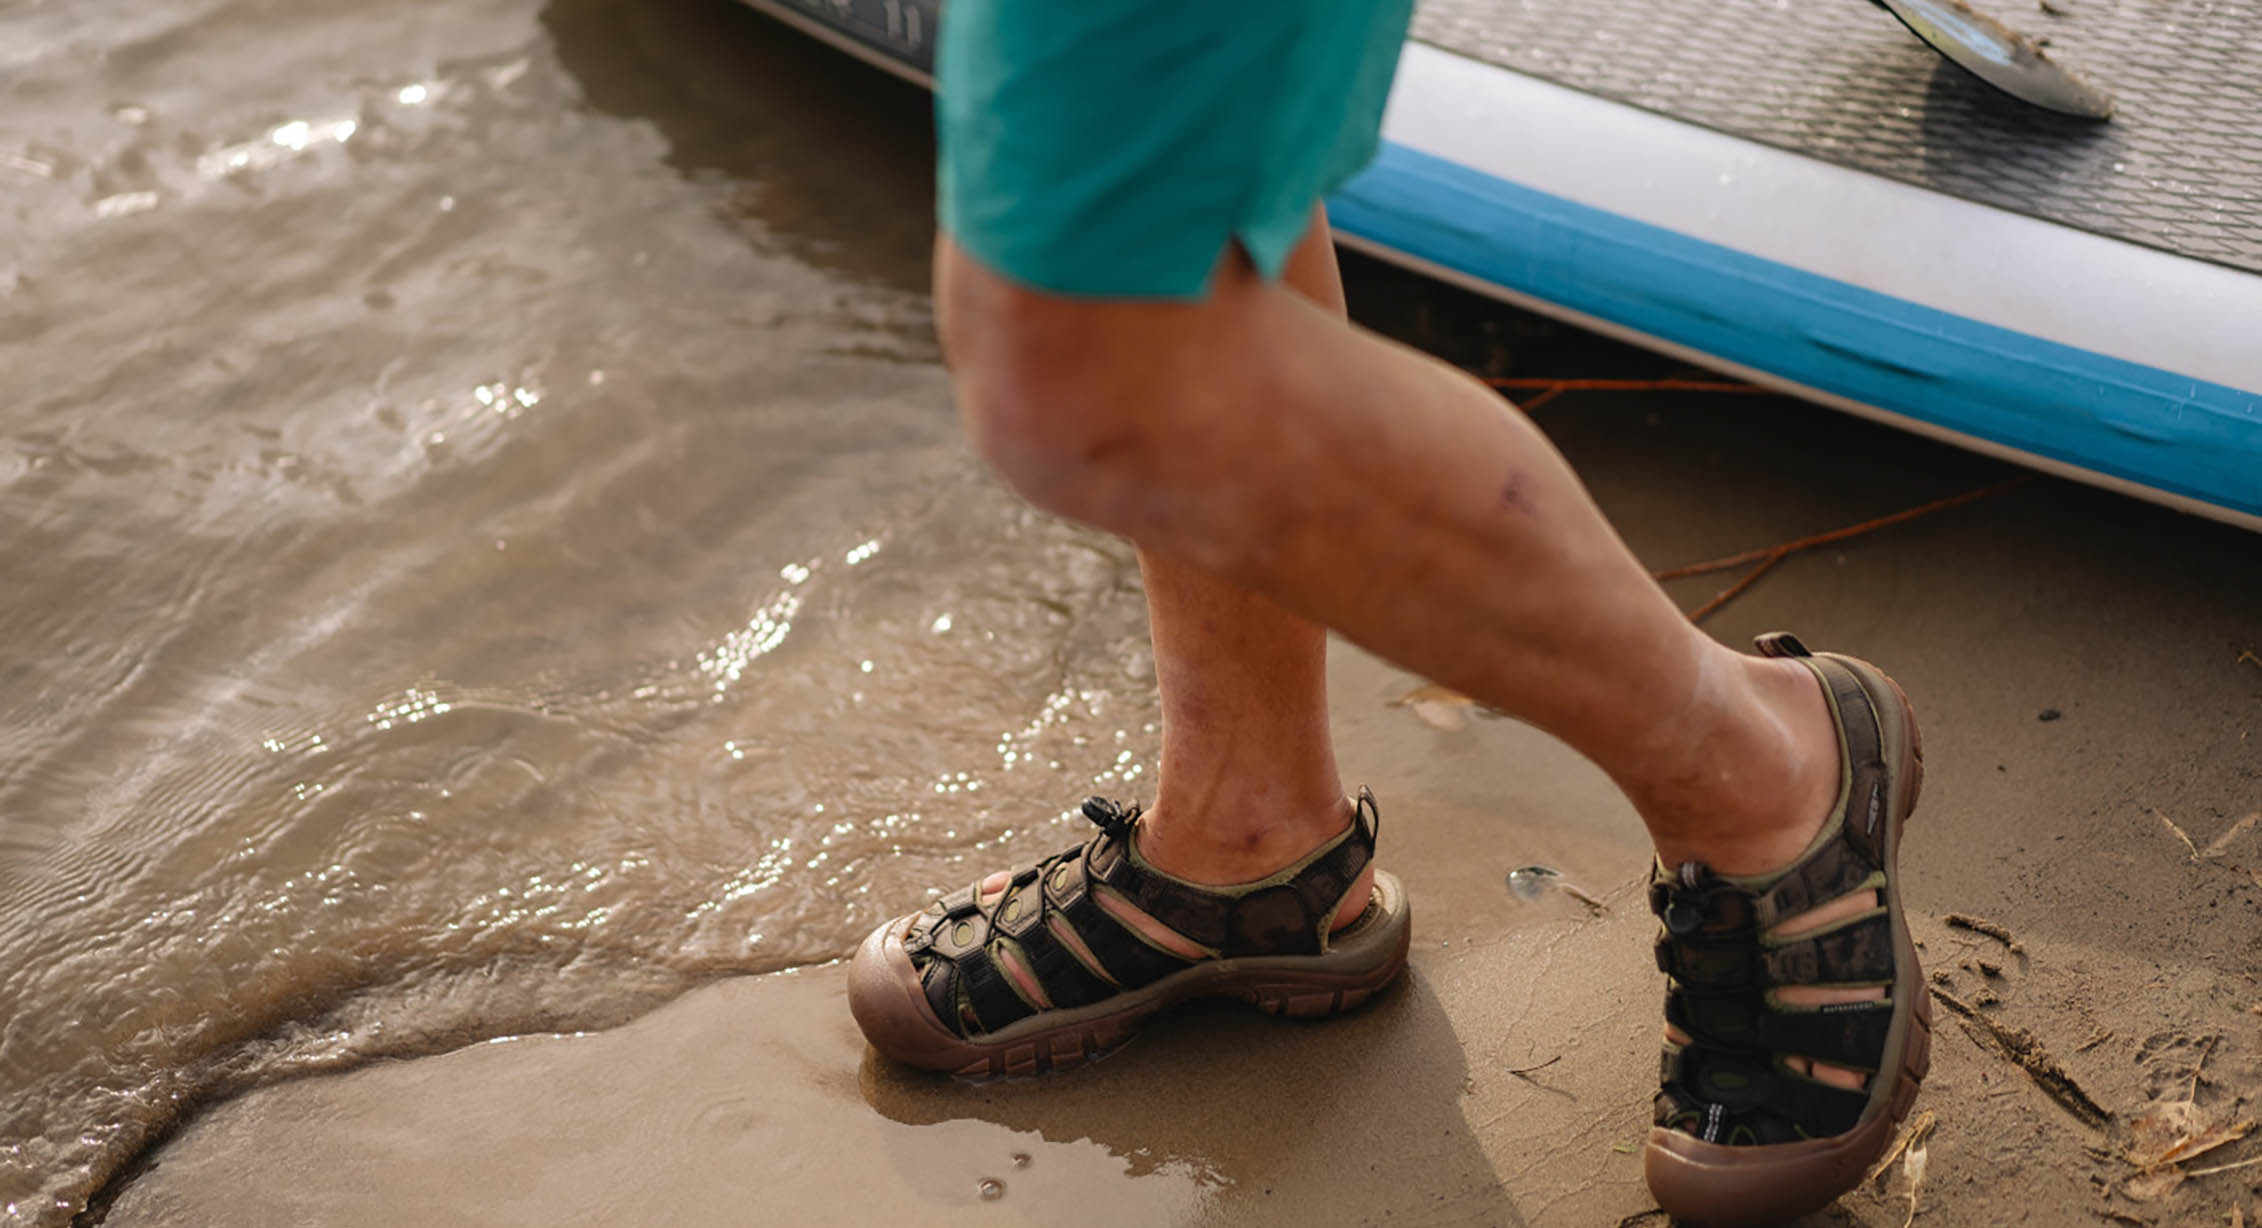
(1708, 1185)
(1362, 958)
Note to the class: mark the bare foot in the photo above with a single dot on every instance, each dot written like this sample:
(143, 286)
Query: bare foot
(1775, 832)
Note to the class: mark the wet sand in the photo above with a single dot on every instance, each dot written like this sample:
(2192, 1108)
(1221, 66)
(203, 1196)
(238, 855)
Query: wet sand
(509, 568)
(753, 1100)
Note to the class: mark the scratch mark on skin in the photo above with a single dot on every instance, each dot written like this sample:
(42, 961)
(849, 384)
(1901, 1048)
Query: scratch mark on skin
(1512, 497)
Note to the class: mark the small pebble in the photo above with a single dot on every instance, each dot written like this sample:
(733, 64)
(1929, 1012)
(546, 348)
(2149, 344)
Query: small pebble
(992, 1189)
(2050, 714)
(1021, 1159)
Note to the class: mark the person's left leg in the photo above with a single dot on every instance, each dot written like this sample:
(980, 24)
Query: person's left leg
(1248, 782)
(1251, 844)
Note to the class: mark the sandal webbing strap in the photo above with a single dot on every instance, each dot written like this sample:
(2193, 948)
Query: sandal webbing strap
(1849, 1035)
(1288, 913)
(1857, 953)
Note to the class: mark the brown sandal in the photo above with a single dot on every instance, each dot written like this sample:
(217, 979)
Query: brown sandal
(1054, 971)
(1743, 1135)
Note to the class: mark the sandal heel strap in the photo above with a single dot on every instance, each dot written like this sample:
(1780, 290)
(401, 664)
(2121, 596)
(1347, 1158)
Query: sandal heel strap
(1288, 913)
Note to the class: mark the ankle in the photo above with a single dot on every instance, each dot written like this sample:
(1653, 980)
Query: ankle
(1763, 775)
(1219, 846)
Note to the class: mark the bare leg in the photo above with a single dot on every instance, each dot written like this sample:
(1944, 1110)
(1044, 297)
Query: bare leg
(1379, 492)
(1248, 781)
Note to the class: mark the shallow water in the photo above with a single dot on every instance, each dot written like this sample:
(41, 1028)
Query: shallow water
(486, 545)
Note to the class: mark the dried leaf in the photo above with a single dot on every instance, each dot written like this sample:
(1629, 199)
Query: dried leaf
(1917, 1130)
(2153, 1186)
(2172, 1131)
(1451, 719)
(1914, 1165)
(1438, 706)
(2161, 1127)
(1430, 692)
(2209, 1141)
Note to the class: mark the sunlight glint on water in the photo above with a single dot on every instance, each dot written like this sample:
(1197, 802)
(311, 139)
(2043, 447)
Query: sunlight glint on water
(487, 545)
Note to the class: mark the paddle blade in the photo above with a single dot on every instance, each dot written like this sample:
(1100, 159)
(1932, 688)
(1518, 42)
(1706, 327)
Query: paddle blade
(2000, 56)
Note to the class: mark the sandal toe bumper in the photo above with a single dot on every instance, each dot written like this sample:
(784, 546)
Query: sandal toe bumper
(890, 1005)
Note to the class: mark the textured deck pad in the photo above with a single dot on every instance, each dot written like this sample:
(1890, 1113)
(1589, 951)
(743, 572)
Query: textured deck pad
(2179, 166)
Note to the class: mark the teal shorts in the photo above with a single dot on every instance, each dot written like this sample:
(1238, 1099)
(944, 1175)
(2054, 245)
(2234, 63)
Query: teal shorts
(1113, 148)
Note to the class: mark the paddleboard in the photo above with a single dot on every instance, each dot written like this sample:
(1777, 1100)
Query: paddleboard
(1808, 197)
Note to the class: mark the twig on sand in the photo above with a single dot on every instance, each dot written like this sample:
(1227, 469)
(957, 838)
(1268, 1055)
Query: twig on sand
(2095, 1041)
(1546, 390)
(1549, 389)
(2216, 846)
(1981, 925)
(2024, 1050)
(2178, 832)
(2249, 1162)
(1526, 1071)
(1582, 895)
(1768, 556)
(2246, 656)
(2205, 1051)
(1730, 593)
(1838, 535)
(1543, 383)
(1642, 1217)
